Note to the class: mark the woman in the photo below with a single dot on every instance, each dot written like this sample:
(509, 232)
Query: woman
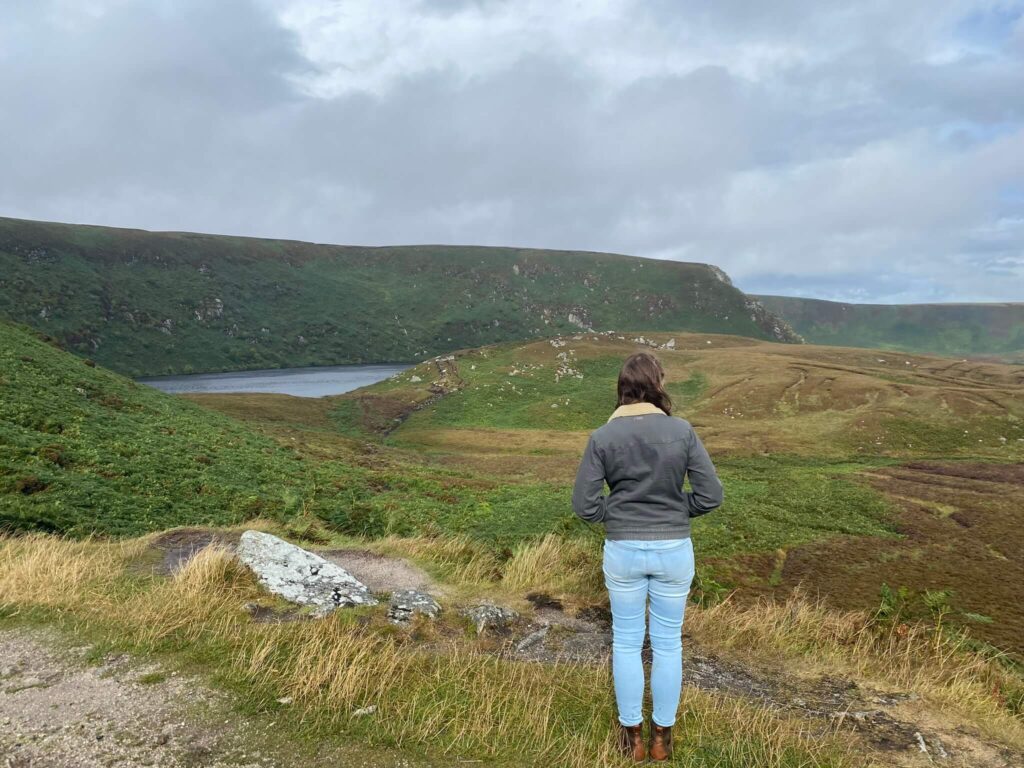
(644, 454)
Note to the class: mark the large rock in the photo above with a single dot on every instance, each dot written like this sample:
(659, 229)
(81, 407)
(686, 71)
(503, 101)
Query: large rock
(300, 576)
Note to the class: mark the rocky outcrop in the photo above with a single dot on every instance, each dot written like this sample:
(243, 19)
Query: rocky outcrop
(771, 323)
(300, 576)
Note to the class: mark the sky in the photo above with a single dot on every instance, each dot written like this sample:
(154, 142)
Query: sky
(869, 151)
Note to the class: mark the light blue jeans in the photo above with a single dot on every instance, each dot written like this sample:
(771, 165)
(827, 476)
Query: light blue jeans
(632, 571)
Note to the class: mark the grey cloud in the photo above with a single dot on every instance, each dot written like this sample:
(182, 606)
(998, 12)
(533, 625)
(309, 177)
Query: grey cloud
(849, 160)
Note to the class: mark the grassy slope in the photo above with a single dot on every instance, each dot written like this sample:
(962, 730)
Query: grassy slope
(971, 330)
(810, 443)
(153, 303)
(85, 450)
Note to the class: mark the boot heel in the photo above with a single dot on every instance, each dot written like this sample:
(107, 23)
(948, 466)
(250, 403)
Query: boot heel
(631, 742)
(661, 743)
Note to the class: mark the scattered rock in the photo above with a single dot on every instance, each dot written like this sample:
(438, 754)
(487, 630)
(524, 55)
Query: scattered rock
(408, 602)
(487, 616)
(300, 576)
(364, 711)
(533, 639)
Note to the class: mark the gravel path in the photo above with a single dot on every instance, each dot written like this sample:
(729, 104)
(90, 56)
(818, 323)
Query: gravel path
(58, 711)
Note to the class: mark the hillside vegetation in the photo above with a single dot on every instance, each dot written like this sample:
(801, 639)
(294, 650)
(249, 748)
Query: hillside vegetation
(84, 450)
(889, 484)
(845, 469)
(959, 330)
(149, 303)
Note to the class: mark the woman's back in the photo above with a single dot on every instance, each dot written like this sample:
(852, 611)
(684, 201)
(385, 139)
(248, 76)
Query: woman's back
(644, 455)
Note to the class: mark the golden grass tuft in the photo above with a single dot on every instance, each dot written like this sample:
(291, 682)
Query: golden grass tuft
(557, 565)
(59, 573)
(457, 559)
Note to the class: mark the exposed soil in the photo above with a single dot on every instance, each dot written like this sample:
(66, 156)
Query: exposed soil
(175, 548)
(57, 711)
(380, 573)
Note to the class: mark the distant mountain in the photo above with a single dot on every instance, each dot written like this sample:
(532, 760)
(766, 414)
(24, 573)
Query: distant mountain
(152, 303)
(993, 331)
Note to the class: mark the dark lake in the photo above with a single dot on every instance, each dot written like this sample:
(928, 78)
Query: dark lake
(302, 382)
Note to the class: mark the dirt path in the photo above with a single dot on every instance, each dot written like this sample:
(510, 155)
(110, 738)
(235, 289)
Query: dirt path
(59, 711)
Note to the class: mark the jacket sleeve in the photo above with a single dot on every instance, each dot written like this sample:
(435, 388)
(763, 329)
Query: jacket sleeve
(707, 491)
(588, 500)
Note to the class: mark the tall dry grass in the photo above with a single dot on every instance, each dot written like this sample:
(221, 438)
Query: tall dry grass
(913, 657)
(458, 700)
(52, 572)
(556, 564)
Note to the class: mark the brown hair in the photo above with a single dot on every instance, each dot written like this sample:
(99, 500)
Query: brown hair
(641, 380)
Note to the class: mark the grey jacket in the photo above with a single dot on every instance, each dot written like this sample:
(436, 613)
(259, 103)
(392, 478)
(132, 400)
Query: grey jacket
(644, 454)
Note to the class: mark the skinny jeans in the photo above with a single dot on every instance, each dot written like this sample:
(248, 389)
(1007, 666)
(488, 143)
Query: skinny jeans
(633, 572)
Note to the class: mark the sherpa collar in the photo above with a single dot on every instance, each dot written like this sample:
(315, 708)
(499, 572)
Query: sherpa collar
(635, 409)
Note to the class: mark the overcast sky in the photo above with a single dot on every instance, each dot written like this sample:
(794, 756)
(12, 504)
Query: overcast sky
(867, 151)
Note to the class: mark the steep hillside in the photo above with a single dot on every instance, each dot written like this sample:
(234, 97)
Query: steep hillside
(153, 303)
(959, 330)
(84, 450)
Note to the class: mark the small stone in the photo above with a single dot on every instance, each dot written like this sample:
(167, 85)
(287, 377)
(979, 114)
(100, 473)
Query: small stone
(285, 700)
(489, 616)
(406, 603)
(532, 639)
(364, 711)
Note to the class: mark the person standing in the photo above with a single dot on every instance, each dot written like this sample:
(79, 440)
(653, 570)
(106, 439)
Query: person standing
(644, 453)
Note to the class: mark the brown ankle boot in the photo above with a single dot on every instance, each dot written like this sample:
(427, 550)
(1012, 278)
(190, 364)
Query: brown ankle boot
(661, 742)
(631, 742)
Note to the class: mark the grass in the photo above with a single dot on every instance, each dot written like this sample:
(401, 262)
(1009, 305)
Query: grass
(84, 451)
(461, 702)
(955, 330)
(150, 303)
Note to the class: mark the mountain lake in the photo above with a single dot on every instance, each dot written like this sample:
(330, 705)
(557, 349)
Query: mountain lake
(301, 382)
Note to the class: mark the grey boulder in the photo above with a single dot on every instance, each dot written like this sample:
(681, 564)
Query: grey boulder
(300, 576)
(405, 603)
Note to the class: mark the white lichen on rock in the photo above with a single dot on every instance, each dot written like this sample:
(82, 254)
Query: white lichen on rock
(300, 576)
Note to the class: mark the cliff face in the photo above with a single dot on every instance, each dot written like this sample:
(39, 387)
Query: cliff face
(152, 303)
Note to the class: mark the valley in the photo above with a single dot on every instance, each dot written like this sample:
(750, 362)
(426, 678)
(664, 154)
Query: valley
(871, 533)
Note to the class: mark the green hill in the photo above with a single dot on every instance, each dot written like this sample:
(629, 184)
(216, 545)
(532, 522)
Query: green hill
(147, 303)
(84, 450)
(959, 330)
